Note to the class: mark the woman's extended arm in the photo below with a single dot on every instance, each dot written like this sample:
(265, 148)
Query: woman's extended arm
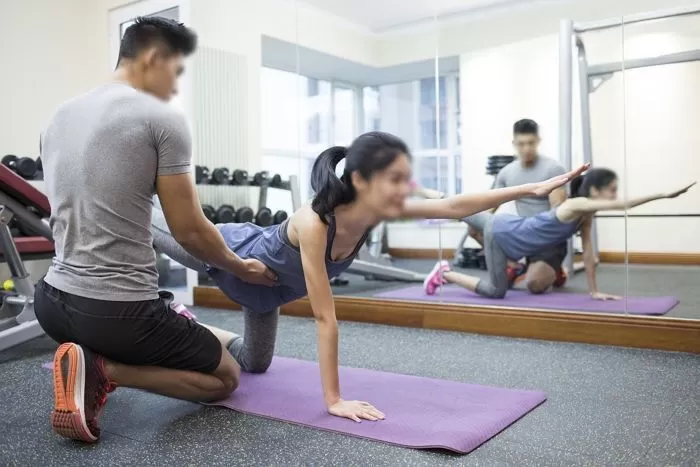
(312, 243)
(589, 261)
(457, 207)
(586, 205)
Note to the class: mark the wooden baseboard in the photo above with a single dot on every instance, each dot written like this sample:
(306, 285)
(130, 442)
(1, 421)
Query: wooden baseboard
(422, 253)
(668, 259)
(627, 331)
(637, 257)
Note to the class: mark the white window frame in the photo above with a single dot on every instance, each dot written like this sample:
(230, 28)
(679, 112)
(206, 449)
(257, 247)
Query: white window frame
(452, 148)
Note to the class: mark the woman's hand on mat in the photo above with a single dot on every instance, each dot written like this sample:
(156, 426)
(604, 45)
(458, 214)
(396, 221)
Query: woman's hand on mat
(546, 187)
(355, 410)
(604, 296)
(676, 194)
(255, 272)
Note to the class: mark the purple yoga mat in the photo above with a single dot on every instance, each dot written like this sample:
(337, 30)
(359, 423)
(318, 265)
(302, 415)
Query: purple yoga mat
(420, 412)
(548, 301)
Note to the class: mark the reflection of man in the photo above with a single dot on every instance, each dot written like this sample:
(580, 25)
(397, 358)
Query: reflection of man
(544, 269)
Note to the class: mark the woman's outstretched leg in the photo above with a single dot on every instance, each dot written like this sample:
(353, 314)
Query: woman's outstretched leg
(493, 287)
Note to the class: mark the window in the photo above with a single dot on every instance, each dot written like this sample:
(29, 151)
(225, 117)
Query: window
(429, 88)
(408, 111)
(344, 115)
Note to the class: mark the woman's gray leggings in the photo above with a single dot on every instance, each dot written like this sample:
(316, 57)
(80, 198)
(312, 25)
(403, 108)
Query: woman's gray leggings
(254, 350)
(496, 260)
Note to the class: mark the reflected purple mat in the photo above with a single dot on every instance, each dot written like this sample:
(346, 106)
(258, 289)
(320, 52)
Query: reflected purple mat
(420, 412)
(548, 301)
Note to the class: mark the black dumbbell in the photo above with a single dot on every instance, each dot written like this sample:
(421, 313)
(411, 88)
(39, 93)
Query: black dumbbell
(209, 212)
(279, 217)
(23, 166)
(220, 176)
(260, 178)
(276, 181)
(226, 214)
(239, 177)
(201, 174)
(244, 214)
(264, 217)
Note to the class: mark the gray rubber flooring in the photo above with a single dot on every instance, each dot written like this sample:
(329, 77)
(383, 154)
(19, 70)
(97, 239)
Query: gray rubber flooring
(679, 281)
(607, 407)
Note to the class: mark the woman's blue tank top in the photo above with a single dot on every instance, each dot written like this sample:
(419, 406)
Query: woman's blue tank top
(271, 246)
(526, 236)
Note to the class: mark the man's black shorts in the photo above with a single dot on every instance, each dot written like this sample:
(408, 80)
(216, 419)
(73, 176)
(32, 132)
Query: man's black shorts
(132, 333)
(553, 256)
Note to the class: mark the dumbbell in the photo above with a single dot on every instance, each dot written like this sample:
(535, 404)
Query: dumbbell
(244, 214)
(276, 181)
(264, 217)
(220, 176)
(279, 217)
(209, 212)
(226, 214)
(260, 178)
(239, 177)
(201, 174)
(23, 166)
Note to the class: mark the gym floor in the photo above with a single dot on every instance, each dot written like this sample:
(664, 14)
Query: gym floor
(679, 281)
(606, 406)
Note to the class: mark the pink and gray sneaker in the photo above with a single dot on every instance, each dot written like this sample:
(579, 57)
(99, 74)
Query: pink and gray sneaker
(181, 309)
(435, 279)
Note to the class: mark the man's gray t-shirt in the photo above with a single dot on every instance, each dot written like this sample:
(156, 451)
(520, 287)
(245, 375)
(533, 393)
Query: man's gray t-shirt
(516, 174)
(102, 152)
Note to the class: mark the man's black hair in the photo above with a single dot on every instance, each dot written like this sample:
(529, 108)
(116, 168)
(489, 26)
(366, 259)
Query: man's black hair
(526, 127)
(148, 31)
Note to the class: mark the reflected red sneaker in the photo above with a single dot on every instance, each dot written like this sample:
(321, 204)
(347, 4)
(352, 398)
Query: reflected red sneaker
(80, 391)
(434, 278)
(515, 274)
(561, 279)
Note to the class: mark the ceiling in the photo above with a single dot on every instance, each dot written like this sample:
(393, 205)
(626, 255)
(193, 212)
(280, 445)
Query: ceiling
(383, 15)
(312, 63)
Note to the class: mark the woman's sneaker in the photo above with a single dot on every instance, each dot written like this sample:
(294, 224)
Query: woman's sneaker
(435, 277)
(181, 309)
(80, 391)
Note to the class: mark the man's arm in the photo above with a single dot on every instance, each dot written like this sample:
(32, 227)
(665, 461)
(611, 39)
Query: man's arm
(180, 202)
(499, 182)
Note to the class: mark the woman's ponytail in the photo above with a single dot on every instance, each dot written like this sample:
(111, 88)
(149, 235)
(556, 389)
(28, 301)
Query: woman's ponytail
(330, 190)
(597, 178)
(575, 187)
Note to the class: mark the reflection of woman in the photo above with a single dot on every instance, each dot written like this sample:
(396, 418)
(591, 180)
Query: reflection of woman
(320, 241)
(508, 236)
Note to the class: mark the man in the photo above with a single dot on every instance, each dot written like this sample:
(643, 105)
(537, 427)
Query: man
(544, 269)
(105, 153)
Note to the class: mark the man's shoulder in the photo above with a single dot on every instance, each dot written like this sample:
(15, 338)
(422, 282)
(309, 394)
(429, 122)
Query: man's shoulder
(549, 162)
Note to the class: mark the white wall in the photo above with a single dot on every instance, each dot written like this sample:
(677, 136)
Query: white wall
(502, 84)
(46, 58)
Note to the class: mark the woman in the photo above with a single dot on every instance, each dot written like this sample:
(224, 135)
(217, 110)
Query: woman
(511, 237)
(320, 241)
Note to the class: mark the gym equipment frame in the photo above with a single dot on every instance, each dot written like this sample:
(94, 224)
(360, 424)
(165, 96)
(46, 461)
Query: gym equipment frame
(570, 37)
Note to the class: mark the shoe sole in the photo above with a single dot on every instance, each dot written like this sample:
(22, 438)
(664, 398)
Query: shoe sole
(68, 416)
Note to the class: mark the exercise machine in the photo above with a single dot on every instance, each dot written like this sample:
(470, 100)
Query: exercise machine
(375, 265)
(21, 202)
(591, 77)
